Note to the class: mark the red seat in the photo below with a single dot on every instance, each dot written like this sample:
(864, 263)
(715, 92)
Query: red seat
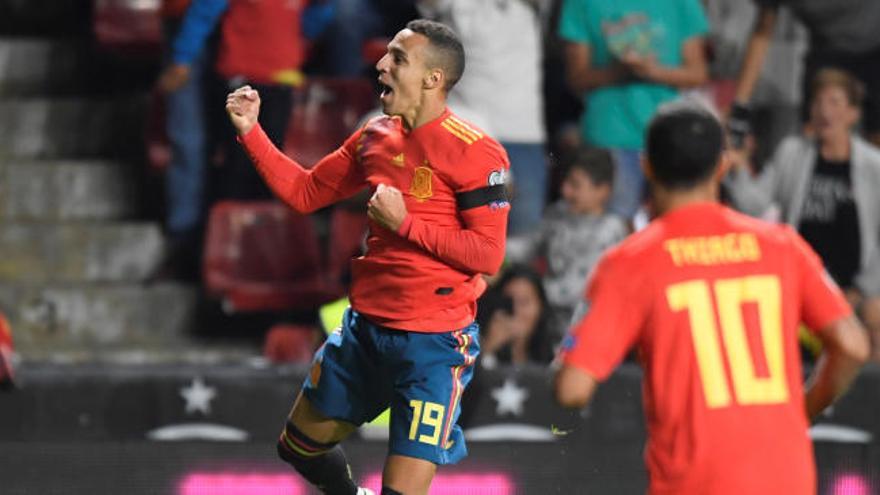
(7, 372)
(325, 112)
(133, 27)
(288, 343)
(374, 49)
(262, 256)
(723, 92)
(347, 230)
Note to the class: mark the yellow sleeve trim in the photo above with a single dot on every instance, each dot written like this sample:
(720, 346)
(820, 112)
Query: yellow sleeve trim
(458, 132)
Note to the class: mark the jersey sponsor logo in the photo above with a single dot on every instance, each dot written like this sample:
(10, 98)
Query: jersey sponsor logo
(738, 247)
(461, 130)
(399, 160)
(421, 184)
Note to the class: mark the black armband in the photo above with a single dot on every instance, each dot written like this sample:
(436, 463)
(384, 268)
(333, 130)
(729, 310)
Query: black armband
(483, 196)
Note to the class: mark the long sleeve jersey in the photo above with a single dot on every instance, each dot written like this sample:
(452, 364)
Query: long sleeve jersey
(425, 277)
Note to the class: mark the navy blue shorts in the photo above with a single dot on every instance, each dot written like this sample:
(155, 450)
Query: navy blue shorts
(364, 368)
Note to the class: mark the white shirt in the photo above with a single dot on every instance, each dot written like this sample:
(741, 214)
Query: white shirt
(500, 90)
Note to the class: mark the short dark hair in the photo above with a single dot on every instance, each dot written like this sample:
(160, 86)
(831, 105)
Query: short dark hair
(597, 163)
(831, 77)
(448, 50)
(684, 144)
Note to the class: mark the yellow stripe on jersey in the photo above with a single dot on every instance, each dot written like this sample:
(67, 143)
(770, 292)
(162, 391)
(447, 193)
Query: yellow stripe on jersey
(451, 121)
(469, 139)
(465, 125)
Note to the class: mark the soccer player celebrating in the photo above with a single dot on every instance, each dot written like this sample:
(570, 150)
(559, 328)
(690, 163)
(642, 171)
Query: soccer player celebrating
(438, 222)
(712, 300)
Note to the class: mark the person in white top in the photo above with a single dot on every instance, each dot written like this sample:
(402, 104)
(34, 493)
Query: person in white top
(501, 90)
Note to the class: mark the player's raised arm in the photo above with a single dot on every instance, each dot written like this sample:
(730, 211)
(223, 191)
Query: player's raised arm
(335, 177)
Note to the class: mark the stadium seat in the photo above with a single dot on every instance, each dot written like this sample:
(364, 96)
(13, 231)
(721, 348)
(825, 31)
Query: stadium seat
(131, 27)
(325, 112)
(347, 230)
(723, 92)
(287, 343)
(7, 372)
(374, 49)
(262, 256)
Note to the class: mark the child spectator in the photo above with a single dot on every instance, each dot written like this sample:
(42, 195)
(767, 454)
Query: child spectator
(575, 231)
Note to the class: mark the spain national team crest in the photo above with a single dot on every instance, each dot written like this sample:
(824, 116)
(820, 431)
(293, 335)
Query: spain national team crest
(421, 184)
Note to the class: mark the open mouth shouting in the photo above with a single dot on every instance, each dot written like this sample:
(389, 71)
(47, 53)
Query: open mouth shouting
(385, 92)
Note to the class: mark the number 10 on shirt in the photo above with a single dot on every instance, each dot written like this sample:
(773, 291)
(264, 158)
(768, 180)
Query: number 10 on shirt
(729, 295)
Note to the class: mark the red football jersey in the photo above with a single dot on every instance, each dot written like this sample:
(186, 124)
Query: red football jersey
(427, 276)
(712, 300)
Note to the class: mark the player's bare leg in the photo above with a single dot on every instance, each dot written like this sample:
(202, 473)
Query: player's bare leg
(319, 428)
(309, 444)
(408, 475)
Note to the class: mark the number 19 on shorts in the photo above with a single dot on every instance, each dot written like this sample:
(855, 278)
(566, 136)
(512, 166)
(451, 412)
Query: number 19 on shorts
(728, 296)
(429, 414)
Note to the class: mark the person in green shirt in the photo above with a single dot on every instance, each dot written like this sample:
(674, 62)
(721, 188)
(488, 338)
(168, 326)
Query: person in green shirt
(626, 57)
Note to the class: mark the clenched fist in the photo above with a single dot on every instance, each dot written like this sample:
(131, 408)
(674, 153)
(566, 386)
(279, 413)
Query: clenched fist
(387, 208)
(243, 107)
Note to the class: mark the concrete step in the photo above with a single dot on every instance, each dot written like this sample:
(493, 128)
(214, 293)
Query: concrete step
(66, 190)
(73, 127)
(79, 252)
(76, 317)
(31, 66)
(45, 17)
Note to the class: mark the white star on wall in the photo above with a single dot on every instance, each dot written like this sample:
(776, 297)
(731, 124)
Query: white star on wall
(198, 396)
(510, 397)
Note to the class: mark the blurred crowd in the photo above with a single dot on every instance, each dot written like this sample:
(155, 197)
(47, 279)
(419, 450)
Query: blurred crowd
(567, 87)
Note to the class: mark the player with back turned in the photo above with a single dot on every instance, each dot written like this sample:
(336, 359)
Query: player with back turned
(712, 301)
(438, 223)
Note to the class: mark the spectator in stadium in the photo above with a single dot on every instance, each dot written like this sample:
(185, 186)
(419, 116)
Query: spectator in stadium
(843, 35)
(626, 58)
(262, 44)
(438, 216)
(515, 320)
(576, 230)
(723, 417)
(502, 89)
(184, 85)
(826, 186)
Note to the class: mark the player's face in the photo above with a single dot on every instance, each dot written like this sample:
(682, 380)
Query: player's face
(831, 113)
(402, 73)
(581, 194)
